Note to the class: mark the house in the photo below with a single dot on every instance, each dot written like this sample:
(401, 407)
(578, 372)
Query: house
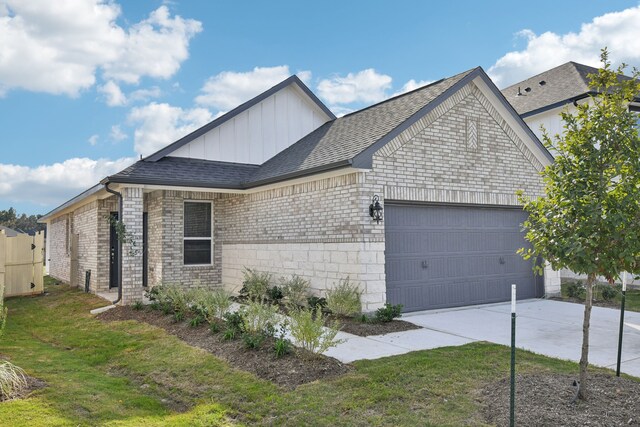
(413, 198)
(9, 232)
(540, 99)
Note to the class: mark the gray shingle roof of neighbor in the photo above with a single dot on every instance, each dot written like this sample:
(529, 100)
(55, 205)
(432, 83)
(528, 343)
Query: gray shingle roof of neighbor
(186, 172)
(563, 84)
(9, 232)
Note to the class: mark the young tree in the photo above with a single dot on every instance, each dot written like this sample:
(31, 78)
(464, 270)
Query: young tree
(588, 220)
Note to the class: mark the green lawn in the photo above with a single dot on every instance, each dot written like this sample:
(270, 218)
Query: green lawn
(132, 374)
(632, 298)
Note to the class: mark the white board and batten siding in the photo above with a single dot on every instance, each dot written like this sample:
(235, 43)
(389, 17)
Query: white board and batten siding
(260, 132)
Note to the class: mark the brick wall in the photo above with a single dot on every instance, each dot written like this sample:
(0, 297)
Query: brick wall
(59, 264)
(85, 225)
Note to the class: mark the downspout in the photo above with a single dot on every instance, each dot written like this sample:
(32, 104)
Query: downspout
(119, 196)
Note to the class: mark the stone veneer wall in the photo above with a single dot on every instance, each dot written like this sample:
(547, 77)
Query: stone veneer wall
(59, 256)
(319, 230)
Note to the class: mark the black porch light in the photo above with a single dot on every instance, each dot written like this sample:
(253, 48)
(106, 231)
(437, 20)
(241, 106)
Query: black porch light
(375, 209)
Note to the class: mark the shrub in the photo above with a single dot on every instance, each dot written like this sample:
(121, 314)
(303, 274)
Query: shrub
(214, 327)
(253, 341)
(388, 312)
(344, 299)
(295, 290)
(211, 304)
(607, 292)
(575, 290)
(259, 318)
(310, 333)
(281, 345)
(196, 321)
(234, 321)
(275, 294)
(138, 305)
(316, 303)
(172, 298)
(255, 285)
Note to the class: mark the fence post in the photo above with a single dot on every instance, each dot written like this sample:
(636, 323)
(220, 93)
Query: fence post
(624, 291)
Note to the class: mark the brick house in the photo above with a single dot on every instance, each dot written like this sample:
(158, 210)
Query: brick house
(280, 184)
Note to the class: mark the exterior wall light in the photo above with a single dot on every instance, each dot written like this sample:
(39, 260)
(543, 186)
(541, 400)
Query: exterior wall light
(375, 209)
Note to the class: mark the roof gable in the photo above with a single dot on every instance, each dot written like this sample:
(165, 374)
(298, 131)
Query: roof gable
(255, 130)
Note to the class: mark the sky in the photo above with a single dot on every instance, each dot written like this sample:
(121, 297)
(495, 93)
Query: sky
(88, 86)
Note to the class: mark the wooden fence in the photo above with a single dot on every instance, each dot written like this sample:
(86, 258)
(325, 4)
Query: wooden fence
(21, 260)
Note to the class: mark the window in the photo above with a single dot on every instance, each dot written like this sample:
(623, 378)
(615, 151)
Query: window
(197, 233)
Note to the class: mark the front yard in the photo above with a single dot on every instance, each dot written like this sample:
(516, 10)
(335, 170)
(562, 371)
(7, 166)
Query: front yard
(126, 373)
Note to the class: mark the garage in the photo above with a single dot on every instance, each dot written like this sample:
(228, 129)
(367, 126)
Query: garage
(440, 256)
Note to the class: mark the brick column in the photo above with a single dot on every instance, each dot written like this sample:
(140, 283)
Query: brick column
(132, 209)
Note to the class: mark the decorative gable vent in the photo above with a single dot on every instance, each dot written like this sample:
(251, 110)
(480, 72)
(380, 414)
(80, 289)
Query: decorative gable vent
(472, 134)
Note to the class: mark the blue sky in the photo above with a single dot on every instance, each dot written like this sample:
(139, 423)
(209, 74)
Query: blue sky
(87, 86)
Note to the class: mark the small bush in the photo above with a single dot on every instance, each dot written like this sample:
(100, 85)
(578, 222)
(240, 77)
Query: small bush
(255, 285)
(155, 305)
(211, 304)
(196, 321)
(316, 303)
(607, 292)
(172, 298)
(575, 290)
(275, 294)
(234, 321)
(214, 327)
(253, 341)
(344, 299)
(230, 334)
(310, 332)
(282, 346)
(388, 312)
(178, 316)
(295, 290)
(138, 305)
(259, 318)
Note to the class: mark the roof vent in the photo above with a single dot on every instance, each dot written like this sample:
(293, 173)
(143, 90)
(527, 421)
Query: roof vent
(527, 89)
(519, 92)
(542, 83)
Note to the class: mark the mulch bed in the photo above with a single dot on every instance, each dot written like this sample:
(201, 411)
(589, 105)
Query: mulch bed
(290, 371)
(544, 399)
(363, 329)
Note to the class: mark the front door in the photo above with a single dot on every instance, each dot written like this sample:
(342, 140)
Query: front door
(113, 252)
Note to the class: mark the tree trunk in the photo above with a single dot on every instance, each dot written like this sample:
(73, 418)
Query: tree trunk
(584, 358)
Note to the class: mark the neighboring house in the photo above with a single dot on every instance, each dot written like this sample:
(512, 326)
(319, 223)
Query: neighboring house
(540, 99)
(9, 232)
(281, 185)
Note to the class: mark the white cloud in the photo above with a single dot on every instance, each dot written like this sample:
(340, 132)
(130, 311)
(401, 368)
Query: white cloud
(93, 140)
(113, 94)
(365, 86)
(56, 183)
(617, 30)
(57, 47)
(411, 85)
(229, 89)
(116, 134)
(162, 124)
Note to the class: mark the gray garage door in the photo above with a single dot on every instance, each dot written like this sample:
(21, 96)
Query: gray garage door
(448, 256)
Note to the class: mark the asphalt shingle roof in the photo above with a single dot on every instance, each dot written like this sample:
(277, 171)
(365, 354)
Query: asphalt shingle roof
(186, 172)
(336, 141)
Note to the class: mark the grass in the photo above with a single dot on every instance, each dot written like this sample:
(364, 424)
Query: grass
(133, 374)
(632, 298)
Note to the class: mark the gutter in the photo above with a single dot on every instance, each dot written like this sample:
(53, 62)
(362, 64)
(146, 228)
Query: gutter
(119, 196)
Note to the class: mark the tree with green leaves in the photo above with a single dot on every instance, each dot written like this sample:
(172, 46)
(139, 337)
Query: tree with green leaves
(588, 219)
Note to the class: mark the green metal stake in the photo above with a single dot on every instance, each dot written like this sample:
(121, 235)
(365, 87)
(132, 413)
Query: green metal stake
(624, 292)
(512, 415)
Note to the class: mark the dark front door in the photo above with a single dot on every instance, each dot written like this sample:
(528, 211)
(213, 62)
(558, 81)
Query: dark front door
(447, 256)
(113, 252)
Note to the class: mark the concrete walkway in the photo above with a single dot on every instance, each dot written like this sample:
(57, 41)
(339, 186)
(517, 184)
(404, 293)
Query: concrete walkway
(551, 328)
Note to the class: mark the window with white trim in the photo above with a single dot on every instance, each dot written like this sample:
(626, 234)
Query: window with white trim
(197, 233)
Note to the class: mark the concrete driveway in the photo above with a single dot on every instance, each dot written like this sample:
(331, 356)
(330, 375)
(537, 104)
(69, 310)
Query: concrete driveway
(552, 328)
